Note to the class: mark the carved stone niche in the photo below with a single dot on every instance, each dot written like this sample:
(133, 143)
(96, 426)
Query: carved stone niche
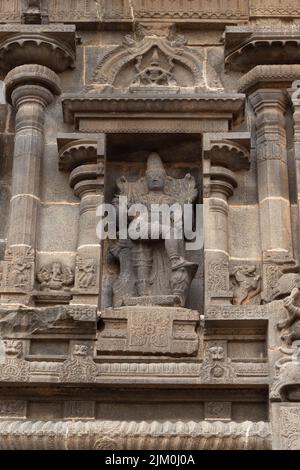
(245, 47)
(152, 266)
(52, 46)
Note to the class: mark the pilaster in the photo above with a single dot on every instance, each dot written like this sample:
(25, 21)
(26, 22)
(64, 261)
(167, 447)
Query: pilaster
(84, 159)
(30, 89)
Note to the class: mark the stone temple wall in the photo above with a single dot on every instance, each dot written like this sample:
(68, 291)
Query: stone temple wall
(146, 344)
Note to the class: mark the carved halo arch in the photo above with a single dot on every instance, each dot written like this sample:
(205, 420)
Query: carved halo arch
(111, 66)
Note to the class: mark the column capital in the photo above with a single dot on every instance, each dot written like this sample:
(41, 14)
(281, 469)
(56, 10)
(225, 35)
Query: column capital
(33, 78)
(222, 182)
(87, 179)
(269, 76)
(53, 46)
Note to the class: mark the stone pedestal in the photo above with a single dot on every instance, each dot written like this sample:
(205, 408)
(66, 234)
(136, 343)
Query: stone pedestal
(155, 330)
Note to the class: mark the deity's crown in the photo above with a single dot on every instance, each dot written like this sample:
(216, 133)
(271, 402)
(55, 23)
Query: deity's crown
(154, 164)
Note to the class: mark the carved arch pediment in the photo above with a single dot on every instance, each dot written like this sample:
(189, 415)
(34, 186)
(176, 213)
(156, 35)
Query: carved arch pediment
(151, 59)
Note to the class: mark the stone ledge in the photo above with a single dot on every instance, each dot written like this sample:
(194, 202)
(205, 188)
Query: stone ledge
(125, 435)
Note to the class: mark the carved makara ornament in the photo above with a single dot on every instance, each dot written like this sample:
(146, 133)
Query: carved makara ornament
(246, 284)
(153, 267)
(56, 276)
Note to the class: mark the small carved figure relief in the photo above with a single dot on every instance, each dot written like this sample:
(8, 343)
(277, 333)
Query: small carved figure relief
(287, 368)
(18, 268)
(284, 286)
(158, 272)
(291, 325)
(216, 366)
(246, 284)
(55, 276)
(86, 273)
(154, 72)
(15, 368)
(80, 367)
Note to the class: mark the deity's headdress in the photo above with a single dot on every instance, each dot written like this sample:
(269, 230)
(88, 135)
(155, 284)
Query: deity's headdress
(155, 165)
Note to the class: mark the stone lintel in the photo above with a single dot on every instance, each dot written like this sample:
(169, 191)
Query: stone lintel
(216, 104)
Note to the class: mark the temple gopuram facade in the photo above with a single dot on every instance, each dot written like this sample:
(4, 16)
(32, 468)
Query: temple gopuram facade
(135, 342)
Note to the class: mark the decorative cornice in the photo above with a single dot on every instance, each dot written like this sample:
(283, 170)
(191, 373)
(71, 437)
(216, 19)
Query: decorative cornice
(52, 46)
(102, 103)
(130, 435)
(245, 49)
(31, 74)
(269, 76)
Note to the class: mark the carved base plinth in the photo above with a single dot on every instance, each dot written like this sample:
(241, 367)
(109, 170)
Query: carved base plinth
(149, 330)
(162, 300)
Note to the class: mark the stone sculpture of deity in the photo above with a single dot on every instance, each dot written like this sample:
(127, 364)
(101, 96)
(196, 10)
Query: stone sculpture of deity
(153, 265)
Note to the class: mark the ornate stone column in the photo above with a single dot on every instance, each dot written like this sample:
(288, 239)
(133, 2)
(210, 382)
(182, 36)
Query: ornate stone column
(295, 98)
(265, 86)
(84, 159)
(223, 154)
(30, 89)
